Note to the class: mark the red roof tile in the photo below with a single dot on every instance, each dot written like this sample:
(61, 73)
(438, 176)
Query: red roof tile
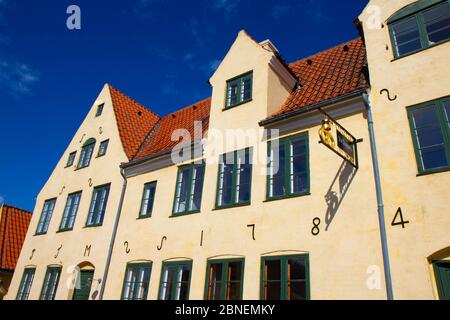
(160, 138)
(14, 224)
(134, 121)
(327, 75)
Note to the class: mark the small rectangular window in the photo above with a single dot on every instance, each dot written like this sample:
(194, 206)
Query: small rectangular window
(431, 135)
(285, 278)
(46, 216)
(103, 148)
(189, 188)
(98, 206)
(25, 284)
(225, 279)
(148, 198)
(235, 174)
(239, 90)
(288, 167)
(50, 283)
(421, 30)
(175, 280)
(86, 153)
(71, 159)
(99, 110)
(70, 211)
(137, 280)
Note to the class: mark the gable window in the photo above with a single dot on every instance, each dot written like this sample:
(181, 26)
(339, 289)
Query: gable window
(285, 278)
(288, 167)
(25, 284)
(148, 198)
(235, 174)
(239, 90)
(431, 135)
(71, 159)
(98, 206)
(86, 153)
(70, 211)
(50, 283)
(46, 216)
(175, 280)
(103, 147)
(420, 26)
(136, 283)
(189, 188)
(99, 111)
(225, 279)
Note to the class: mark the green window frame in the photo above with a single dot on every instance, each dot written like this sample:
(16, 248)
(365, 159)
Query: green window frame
(99, 111)
(51, 282)
(175, 280)
(70, 211)
(71, 159)
(442, 276)
(189, 189)
(417, 26)
(46, 216)
(25, 284)
(98, 205)
(234, 179)
(136, 281)
(86, 153)
(148, 200)
(288, 161)
(222, 282)
(421, 119)
(283, 278)
(103, 148)
(239, 90)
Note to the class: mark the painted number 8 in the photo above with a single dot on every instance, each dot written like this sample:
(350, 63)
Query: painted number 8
(315, 230)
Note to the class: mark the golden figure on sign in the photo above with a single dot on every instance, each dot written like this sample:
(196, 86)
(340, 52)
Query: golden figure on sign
(325, 133)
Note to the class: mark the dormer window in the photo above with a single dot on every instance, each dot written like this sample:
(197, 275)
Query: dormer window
(86, 153)
(239, 90)
(71, 159)
(99, 110)
(420, 26)
(103, 147)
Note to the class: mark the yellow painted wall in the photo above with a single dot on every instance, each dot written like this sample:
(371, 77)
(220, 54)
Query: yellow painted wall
(414, 79)
(101, 170)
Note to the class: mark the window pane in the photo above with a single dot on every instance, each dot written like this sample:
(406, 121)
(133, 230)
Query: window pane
(98, 205)
(406, 35)
(103, 148)
(25, 285)
(447, 111)
(297, 290)
(297, 269)
(50, 284)
(273, 291)
(182, 188)
(234, 291)
(247, 88)
(273, 270)
(197, 187)
(226, 184)
(168, 282)
(437, 23)
(215, 281)
(46, 216)
(243, 179)
(183, 278)
(277, 171)
(298, 166)
(233, 93)
(433, 157)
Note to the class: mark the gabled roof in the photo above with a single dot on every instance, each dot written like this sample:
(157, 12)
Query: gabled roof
(134, 121)
(14, 224)
(327, 75)
(160, 137)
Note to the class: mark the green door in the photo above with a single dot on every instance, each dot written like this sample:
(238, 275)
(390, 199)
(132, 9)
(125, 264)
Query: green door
(442, 272)
(82, 293)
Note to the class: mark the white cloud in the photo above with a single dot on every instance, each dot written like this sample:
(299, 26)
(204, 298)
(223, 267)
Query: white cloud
(214, 64)
(17, 78)
(227, 6)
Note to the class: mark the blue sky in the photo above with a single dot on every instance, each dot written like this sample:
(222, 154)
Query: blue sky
(159, 52)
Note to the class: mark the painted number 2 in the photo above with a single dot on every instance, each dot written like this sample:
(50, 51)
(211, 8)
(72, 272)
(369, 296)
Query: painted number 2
(398, 219)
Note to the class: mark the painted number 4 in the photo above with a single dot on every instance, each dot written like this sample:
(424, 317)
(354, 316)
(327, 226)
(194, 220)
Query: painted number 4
(398, 219)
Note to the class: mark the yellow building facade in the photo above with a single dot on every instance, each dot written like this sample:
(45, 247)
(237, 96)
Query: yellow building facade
(250, 205)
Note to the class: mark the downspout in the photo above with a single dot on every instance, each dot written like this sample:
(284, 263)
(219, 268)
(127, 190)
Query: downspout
(113, 236)
(376, 171)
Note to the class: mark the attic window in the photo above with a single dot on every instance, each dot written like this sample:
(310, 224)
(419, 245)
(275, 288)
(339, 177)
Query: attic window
(310, 62)
(346, 48)
(239, 90)
(139, 113)
(99, 110)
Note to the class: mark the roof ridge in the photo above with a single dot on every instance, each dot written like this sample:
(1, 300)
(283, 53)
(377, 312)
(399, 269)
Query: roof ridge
(14, 207)
(128, 97)
(323, 51)
(186, 107)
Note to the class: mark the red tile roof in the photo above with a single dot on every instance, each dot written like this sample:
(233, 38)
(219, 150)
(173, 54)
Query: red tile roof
(134, 121)
(327, 75)
(160, 138)
(14, 224)
(330, 74)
